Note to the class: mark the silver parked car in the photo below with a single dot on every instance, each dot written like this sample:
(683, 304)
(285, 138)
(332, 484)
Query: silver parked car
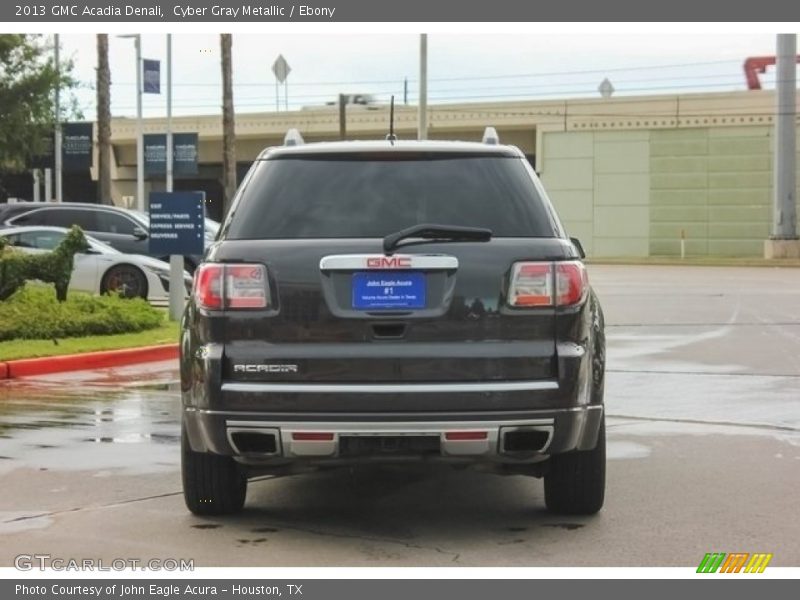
(102, 269)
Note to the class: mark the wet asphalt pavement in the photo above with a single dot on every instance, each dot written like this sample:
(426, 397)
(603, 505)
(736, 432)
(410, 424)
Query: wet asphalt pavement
(703, 398)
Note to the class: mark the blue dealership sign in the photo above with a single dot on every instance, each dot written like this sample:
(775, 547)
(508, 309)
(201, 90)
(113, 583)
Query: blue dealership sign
(151, 71)
(177, 223)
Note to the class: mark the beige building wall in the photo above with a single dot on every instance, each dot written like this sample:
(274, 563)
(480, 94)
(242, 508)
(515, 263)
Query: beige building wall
(599, 183)
(635, 193)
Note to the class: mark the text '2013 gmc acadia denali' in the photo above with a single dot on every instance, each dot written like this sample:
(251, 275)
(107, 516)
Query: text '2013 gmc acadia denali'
(392, 301)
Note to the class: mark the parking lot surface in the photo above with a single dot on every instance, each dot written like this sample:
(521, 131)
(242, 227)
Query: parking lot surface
(703, 400)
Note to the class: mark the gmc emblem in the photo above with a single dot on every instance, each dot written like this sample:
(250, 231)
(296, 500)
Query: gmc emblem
(389, 262)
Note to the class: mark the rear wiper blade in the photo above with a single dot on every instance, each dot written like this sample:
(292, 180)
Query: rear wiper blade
(444, 233)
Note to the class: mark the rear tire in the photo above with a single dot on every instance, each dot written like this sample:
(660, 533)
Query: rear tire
(576, 481)
(212, 484)
(127, 280)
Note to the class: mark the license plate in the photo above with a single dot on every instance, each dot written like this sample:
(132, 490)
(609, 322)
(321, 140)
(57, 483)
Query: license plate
(388, 290)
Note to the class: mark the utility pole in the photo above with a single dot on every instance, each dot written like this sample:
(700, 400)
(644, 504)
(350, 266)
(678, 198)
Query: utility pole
(422, 116)
(783, 242)
(139, 127)
(57, 149)
(137, 42)
(176, 287)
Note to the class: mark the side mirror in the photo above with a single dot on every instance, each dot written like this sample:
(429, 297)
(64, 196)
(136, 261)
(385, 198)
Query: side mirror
(139, 233)
(578, 246)
(91, 251)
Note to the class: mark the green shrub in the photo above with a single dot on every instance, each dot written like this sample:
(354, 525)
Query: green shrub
(34, 313)
(17, 267)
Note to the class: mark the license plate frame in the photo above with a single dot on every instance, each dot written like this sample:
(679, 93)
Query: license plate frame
(388, 290)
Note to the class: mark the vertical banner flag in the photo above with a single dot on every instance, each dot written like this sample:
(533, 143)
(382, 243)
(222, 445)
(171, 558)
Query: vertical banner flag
(76, 146)
(155, 154)
(184, 154)
(151, 76)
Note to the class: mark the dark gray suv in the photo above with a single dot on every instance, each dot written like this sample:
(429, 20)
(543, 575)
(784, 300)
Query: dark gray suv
(392, 301)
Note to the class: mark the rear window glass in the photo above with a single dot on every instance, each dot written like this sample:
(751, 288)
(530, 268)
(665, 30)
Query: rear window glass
(335, 196)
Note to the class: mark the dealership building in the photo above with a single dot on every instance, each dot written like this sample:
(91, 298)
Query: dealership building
(629, 175)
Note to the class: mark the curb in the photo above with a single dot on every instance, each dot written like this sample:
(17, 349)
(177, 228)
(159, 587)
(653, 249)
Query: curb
(88, 360)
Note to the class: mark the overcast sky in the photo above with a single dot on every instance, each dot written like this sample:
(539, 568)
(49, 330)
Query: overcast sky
(461, 67)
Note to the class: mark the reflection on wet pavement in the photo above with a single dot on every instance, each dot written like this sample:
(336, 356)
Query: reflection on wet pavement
(124, 419)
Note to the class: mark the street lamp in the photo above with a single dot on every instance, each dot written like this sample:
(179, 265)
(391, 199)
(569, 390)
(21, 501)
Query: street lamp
(137, 40)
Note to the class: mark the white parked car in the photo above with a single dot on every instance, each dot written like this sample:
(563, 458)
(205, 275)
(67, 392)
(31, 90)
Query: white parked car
(102, 269)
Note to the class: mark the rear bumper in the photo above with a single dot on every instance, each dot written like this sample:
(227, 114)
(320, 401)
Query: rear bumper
(508, 437)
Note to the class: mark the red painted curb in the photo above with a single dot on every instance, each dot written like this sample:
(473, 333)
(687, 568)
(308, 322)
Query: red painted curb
(87, 360)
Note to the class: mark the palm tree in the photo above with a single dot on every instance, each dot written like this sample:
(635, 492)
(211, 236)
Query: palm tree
(228, 126)
(103, 121)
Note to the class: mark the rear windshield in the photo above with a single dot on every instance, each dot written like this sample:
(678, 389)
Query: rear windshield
(336, 196)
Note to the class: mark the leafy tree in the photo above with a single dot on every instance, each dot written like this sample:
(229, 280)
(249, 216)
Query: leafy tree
(28, 81)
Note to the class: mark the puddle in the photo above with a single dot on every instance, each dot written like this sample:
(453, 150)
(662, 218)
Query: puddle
(616, 450)
(14, 522)
(567, 526)
(769, 401)
(63, 425)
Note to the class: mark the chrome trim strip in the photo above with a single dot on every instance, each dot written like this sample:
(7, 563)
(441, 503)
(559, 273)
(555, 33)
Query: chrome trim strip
(358, 262)
(389, 388)
(377, 427)
(511, 415)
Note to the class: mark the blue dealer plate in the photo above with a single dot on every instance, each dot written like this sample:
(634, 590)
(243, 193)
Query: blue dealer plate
(387, 290)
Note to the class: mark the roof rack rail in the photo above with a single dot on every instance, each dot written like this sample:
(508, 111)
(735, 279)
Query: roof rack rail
(293, 138)
(490, 136)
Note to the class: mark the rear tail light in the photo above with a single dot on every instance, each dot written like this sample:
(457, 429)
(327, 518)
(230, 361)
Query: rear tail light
(245, 286)
(531, 284)
(572, 282)
(220, 286)
(547, 284)
(208, 286)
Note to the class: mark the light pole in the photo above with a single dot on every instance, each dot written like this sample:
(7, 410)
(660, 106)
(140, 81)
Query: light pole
(176, 285)
(783, 241)
(137, 41)
(422, 114)
(784, 225)
(57, 145)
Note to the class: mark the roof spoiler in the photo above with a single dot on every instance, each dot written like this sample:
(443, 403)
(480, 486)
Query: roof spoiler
(490, 136)
(293, 138)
